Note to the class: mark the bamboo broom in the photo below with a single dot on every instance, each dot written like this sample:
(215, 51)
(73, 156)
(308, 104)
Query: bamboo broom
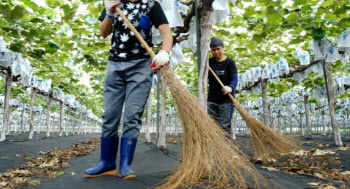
(266, 141)
(208, 159)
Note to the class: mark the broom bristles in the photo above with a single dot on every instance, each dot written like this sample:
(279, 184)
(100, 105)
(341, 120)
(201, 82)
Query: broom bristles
(219, 170)
(266, 141)
(208, 158)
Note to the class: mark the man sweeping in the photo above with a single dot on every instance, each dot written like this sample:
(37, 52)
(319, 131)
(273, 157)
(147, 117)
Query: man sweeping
(128, 79)
(220, 106)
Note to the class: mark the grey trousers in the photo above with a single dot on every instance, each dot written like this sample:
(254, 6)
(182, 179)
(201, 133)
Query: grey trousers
(126, 84)
(221, 113)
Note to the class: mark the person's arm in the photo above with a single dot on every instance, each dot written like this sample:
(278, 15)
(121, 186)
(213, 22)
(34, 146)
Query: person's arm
(167, 37)
(106, 27)
(159, 21)
(163, 58)
(234, 81)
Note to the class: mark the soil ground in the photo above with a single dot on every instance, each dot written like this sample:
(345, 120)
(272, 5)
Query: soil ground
(152, 165)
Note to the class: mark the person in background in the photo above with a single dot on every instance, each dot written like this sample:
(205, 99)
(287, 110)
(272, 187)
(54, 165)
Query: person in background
(128, 79)
(220, 106)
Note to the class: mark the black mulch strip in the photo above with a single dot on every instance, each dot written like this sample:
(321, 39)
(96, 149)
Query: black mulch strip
(151, 165)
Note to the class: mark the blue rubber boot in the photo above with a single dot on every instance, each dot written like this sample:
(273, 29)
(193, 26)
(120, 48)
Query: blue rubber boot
(107, 163)
(127, 149)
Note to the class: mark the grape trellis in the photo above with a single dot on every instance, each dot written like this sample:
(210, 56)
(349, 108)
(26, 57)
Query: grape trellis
(17, 71)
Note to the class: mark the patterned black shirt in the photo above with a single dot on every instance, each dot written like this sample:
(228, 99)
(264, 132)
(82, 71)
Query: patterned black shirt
(124, 45)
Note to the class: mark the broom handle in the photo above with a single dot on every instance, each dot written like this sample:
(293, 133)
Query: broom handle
(132, 28)
(222, 85)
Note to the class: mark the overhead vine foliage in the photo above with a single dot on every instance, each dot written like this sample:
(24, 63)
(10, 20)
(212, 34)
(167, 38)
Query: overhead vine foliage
(260, 32)
(61, 41)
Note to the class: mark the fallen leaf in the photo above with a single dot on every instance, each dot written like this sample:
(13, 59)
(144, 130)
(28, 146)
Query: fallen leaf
(19, 180)
(318, 175)
(324, 157)
(294, 169)
(271, 160)
(34, 182)
(344, 148)
(3, 184)
(21, 172)
(346, 173)
(46, 164)
(310, 142)
(314, 167)
(300, 152)
(322, 152)
(258, 161)
(311, 152)
(327, 186)
(60, 173)
(52, 174)
(49, 162)
(314, 183)
(270, 168)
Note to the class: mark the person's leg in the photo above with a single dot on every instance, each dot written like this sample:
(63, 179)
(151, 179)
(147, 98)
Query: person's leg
(114, 95)
(113, 98)
(225, 115)
(213, 111)
(139, 82)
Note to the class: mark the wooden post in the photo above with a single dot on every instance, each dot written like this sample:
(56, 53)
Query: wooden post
(61, 118)
(66, 125)
(266, 111)
(347, 119)
(301, 124)
(307, 115)
(161, 139)
(21, 129)
(148, 118)
(331, 100)
(6, 104)
(31, 123)
(80, 121)
(9, 121)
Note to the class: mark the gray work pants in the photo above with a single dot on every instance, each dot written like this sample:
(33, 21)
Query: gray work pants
(221, 113)
(128, 84)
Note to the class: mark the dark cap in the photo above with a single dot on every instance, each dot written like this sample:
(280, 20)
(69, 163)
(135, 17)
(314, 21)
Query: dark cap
(216, 42)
